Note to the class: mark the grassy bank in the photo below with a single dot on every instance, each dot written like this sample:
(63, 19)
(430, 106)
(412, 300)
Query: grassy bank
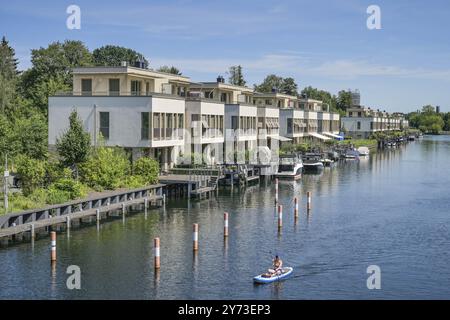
(372, 144)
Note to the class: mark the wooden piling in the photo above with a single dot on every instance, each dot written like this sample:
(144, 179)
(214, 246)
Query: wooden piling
(97, 213)
(225, 228)
(195, 236)
(33, 234)
(53, 246)
(156, 246)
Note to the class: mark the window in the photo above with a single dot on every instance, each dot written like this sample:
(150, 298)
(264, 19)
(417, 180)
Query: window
(135, 87)
(86, 87)
(234, 122)
(114, 87)
(359, 114)
(156, 126)
(104, 124)
(145, 125)
(209, 95)
(289, 125)
(223, 97)
(358, 125)
(371, 125)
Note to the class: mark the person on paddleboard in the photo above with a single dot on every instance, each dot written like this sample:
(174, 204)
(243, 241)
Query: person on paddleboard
(277, 266)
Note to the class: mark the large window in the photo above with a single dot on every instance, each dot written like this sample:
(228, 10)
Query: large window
(156, 126)
(135, 88)
(114, 87)
(234, 122)
(358, 125)
(104, 124)
(145, 125)
(86, 87)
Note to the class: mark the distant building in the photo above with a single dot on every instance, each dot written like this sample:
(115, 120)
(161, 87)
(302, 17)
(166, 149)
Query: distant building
(438, 109)
(356, 98)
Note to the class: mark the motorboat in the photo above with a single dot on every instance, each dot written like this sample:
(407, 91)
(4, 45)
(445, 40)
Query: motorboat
(312, 162)
(290, 167)
(351, 154)
(363, 151)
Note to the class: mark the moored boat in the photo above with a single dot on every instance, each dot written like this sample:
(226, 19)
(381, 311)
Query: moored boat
(312, 162)
(290, 167)
(363, 151)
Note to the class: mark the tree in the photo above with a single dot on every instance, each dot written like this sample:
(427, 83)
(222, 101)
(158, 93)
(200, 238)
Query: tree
(428, 109)
(271, 82)
(8, 61)
(236, 77)
(74, 145)
(288, 86)
(51, 71)
(32, 173)
(344, 100)
(107, 168)
(114, 55)
(31, 135)
(171, 70)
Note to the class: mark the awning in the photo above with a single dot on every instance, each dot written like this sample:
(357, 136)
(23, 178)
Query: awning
(319, 136)
(281, 138)
(333, 135)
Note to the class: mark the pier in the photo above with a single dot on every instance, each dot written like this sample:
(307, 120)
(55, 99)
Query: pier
(28, 221)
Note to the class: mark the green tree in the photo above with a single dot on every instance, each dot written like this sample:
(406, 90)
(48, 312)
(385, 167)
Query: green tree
(6, 138)
(32, 173)
(74, 145)
(271, 82)
(236, 76)
(288, 86)
(172, 70)
(8, 61)
(51, 71)
(107, 168)
(31, 135)
(428, 109)
(114, 55)
(344, 100)
(148, 168)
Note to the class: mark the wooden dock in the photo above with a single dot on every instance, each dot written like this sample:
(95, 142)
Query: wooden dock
(30, 220)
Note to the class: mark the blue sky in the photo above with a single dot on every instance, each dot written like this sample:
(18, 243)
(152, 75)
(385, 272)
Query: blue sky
(325, 44)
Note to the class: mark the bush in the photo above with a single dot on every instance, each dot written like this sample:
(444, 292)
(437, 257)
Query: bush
(32, 173)
(106, 168)
(73, 188)
(133, 182)
(148, 169)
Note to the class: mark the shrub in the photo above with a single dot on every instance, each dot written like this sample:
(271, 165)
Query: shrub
(133, 182)
(148, 169)
(32, 173)
(74, 189)
(106, 168)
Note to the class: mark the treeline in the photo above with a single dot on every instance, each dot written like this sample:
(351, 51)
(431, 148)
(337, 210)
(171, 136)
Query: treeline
(429, 121)
(76, 168)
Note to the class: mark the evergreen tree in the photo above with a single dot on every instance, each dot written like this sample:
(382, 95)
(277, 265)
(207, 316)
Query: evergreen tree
(8, 61)
(236, 76)
(74, 145)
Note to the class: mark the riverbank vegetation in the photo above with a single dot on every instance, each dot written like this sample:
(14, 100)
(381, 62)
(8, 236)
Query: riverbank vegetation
(429, 121)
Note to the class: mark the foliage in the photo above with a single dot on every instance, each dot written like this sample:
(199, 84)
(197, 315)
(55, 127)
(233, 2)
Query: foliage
(278, 84)
(32, 173)
(148, 169)
(106, 168)
(344, 100)
(172, 70)
(236, 76)
(31, 135)
(73, 188)
(133, 182)
(428, 120)
(288, 86)
(75, 144)
(8, 61)
(114, 55)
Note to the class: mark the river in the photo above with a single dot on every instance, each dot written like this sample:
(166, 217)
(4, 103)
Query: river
(391, 210)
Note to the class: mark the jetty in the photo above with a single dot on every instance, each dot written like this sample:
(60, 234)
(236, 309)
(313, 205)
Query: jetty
(103, 203)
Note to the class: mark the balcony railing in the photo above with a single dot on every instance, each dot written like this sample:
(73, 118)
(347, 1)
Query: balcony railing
(115, 94)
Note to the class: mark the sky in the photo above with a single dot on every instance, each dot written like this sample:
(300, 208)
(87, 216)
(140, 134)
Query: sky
(322, 43)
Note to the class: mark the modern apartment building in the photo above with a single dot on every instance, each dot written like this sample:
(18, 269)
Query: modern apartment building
(140, 110)
(361, 122)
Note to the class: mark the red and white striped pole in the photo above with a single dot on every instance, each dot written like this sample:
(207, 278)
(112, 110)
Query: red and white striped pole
(276, 190)
(308, 195)
(195, 236)
(156, 245)
(280, 216)
(295, 208)
(225, 227)
(53, 246)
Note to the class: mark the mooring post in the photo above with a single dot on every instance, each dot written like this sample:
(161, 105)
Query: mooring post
(164, 199)
(32, 232)
(295, 209)
(97, 213)
(53, 246)
(308, 195)
(276, 190)
(225, 228)
(123, 208)
(280, 216)
(195, 236)
(156, 246)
